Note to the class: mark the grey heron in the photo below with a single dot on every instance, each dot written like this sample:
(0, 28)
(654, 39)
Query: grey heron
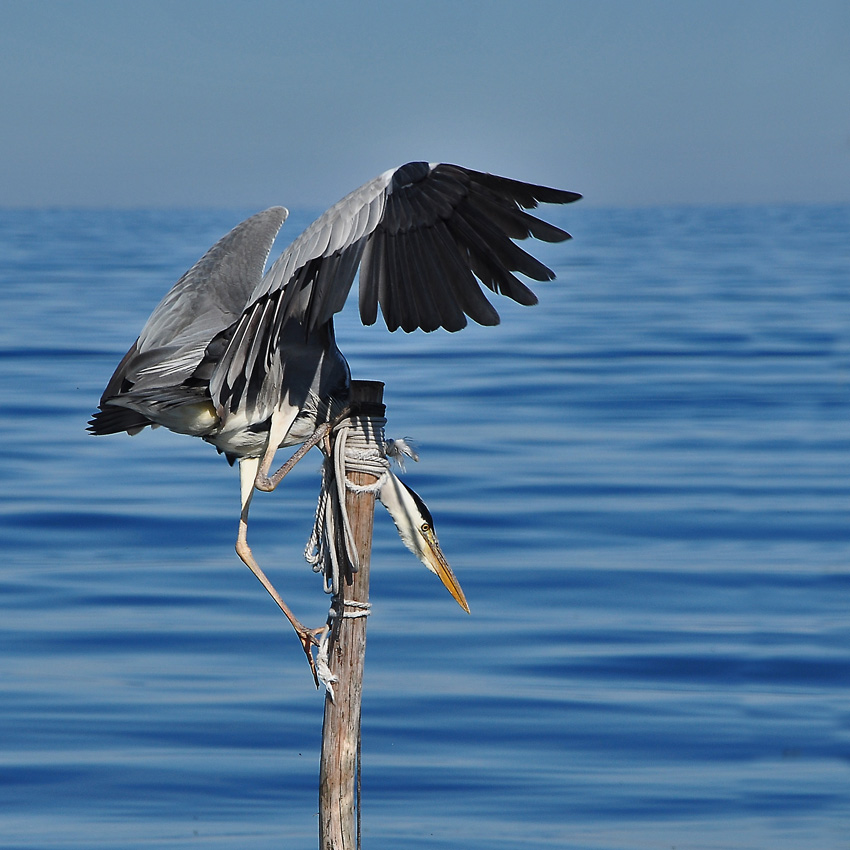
(248, 361)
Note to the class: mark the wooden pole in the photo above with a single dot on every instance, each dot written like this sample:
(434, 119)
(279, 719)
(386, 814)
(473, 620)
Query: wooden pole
(339, 829)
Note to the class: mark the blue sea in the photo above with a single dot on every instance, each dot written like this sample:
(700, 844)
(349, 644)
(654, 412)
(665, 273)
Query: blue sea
(642, 483)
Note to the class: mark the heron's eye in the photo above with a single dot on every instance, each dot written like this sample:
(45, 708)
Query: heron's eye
(425, 528)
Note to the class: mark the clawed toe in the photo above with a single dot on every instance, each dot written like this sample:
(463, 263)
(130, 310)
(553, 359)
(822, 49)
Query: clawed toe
(310, 638)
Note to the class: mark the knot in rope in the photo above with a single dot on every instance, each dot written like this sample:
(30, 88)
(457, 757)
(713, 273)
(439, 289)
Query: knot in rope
(358, 610)
(358, 446)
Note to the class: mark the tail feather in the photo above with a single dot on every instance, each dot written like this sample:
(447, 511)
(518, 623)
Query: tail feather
(113, 420)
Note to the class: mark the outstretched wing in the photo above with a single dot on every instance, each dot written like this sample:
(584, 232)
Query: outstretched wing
(423, 236)
(211, 295)
(206, 301)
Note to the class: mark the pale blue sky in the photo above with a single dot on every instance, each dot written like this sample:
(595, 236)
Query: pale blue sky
(259, 102)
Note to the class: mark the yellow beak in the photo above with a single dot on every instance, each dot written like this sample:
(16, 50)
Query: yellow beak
(437, 561)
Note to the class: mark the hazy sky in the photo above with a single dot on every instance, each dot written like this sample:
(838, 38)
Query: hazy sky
(260, 102)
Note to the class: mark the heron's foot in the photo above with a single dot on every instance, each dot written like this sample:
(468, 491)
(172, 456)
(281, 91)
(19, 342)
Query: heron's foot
(310, 638)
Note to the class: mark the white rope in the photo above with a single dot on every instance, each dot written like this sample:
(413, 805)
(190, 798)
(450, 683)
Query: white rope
(358, 447)
(361, 609)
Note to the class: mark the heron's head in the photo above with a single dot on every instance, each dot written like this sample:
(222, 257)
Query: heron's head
(416, 528)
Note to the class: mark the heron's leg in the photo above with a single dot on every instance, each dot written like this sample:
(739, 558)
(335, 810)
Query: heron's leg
(267, 483)
(247, 475)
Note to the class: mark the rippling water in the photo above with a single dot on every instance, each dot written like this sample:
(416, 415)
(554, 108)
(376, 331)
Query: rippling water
(642, 485)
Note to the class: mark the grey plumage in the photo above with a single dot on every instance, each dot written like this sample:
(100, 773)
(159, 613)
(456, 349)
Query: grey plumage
(170, 364)
(228, 341)
(249, 363)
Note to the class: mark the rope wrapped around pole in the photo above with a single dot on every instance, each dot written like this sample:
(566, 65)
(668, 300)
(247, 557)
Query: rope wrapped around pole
(357, 448)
